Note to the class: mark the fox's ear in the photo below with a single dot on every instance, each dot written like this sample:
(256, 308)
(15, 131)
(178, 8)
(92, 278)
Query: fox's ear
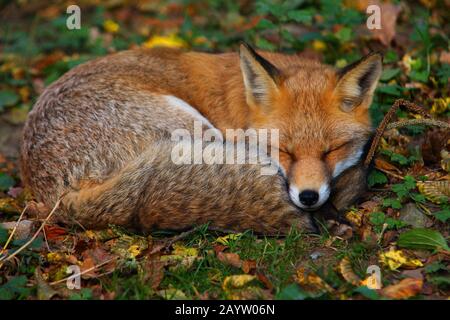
(358, 81)
(261, 78)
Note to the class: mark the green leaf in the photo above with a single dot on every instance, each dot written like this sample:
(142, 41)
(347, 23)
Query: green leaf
(434, 267)
(3, 235)
(376, 177)
(377, 218)
(344, 35)
(303, 16)
(8, 98)
(421, 76)
(6, 182)
(422, 238)
(292, 292)
(266, 24)
(392, 90)
(368, 293)
(442, 215)
(440, 281)
(388, 74)
(392, 202)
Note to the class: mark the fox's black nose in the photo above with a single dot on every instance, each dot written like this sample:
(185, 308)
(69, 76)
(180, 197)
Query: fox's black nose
(309, 197)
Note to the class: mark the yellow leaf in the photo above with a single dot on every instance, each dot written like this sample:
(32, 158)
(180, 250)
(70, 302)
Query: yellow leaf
(181, 250)
(230, 237)
(134, 250)
(395, 259)
(354, 217)
(171, 41)
(319, 45)
(237, 281)
(172, 294)
(111, 26)
(55, 257)
(312, 282)
(345, 267)
(440, 105)
(435, 191)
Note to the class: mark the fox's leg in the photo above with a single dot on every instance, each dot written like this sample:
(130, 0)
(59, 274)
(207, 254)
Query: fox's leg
(153, 192)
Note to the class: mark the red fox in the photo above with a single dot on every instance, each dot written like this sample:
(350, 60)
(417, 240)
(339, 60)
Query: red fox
(101, 135)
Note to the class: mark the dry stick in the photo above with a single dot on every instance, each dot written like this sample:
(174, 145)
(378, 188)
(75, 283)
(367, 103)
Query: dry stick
(7, 258)
(387, 118)
(174, 239)
(427, 122)
(14, 230)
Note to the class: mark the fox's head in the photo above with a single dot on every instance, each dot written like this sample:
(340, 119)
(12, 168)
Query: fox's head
(322, 115)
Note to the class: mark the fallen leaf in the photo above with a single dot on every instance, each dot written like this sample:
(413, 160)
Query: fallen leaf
(395, 259)
(406, 288)
(230, 237)
(346, 270)
(237, 281)
(172, 294)
(44, 291)
(312, 282)
(231, 259)
(248, 266)
(435, 191)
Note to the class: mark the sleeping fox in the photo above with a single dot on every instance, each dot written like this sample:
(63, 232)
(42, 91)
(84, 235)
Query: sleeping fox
(100, 137)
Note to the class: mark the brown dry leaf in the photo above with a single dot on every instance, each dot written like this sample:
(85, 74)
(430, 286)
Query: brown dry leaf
(346, 270)
(262, 277)
(231, 259)
(312, 282)
(153, 271)
(384, 165)
(389, 14)
(95, 257)
(406, 288)
(248, 265)
(444, 57)
(54, 232)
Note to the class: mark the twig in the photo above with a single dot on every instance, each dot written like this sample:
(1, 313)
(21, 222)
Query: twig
(391, 174)
(14, 230)
(427, 122)
(176, 238)
(7, 258)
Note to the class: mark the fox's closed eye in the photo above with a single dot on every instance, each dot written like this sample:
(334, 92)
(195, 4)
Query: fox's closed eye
(337, 147)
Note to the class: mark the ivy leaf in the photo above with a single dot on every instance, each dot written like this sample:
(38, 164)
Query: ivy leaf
(422, 239)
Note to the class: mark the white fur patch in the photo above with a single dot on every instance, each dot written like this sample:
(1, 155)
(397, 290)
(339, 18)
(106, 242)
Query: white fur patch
(341, 166)
(324, 194)
(187, 108)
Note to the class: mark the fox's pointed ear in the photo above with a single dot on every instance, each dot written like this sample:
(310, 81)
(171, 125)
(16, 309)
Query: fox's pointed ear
(357, 81)
(261, 78)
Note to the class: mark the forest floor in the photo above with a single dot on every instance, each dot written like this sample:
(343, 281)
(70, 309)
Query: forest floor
(399, 229)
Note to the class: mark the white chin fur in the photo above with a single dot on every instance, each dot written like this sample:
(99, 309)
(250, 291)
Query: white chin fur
(324, 194)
